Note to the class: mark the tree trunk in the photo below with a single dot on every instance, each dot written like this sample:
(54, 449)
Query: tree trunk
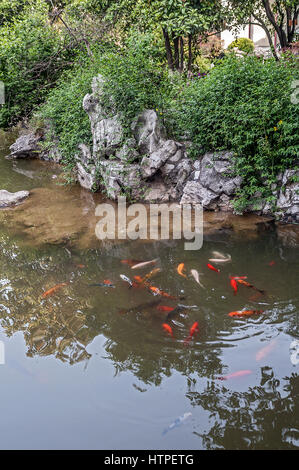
(176, 53)
(168, 49)
(189, 52)
(181, 54)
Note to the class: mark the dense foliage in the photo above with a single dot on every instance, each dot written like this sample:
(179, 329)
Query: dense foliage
(244, 105)
(159, 55)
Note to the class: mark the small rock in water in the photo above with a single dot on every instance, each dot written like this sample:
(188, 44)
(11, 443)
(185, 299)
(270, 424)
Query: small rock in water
(8, 199)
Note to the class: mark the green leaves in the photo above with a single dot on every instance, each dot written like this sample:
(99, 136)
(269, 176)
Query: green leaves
(244, 105)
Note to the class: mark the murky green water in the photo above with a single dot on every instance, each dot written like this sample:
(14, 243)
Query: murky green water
(85, 368)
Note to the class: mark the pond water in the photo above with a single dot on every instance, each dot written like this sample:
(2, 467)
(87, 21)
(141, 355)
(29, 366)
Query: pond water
(91, 367)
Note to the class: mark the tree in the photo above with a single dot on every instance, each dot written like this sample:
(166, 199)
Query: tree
(276, 16)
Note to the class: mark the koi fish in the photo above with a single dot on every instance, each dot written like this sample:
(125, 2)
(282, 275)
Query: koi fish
(226, 259)
(130, 262)
(234, 285)
(213, 268)
(141, 307)
(271, 263)
(165, 308)
(194, 329)
(174, 312)
(247, 284)
(239, 373)
(243, 313)
(53, 290)
(217, 254)
(195, 274)
(167, 328)
(151, 274)
(157, 291)
(180, 269)
(106, 283)
(145, 263)
(81, 266)
(178, 422)
(238, 277)
(138, 279)
(265, 350)
(126, 279)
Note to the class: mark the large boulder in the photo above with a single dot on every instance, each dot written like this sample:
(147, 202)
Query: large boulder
(120, 179)
(212, 182)
(151, 164)
(148, 131)
(8, 199)
(26, 146)
(287, 205)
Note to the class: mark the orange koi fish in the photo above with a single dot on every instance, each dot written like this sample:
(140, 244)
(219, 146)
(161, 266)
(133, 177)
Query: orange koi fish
(81, 266)
(234, 285)
(180, 269)
(265, 350)
(213, 268)
(167, 328)
(243, 313)
(194, 329)
(247, 284)
(271, 263)
(158, 291)
(53, 290)
(151, 274)
(239, 373)
(165, 308)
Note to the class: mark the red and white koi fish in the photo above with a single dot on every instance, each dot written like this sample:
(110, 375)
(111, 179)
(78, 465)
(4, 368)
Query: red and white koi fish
(213, 268)
(265, 350)
(53, 290)
(239, 373)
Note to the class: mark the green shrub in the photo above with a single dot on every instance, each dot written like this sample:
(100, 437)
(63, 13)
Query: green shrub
(244, 105)
(243, 44)
(134, 78)
(203, 64)
(133, 81)
(32, 57)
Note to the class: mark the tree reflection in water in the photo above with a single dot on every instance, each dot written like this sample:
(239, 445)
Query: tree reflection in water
(263, 414)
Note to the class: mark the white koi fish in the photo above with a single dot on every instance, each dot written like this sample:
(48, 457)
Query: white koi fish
(195, 274)
(178, 422)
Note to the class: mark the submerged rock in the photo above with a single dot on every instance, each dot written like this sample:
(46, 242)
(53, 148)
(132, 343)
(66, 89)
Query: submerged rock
(8, 199)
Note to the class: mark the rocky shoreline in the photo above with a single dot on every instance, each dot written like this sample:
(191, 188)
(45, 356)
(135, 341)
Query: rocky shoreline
(149, 167)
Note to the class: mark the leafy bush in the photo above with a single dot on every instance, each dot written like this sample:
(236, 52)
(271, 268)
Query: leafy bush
(133, 81)
(32, 57)
(134, 77)
(243, 44)
(203, 64)
(244, 105)
(64, 111)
